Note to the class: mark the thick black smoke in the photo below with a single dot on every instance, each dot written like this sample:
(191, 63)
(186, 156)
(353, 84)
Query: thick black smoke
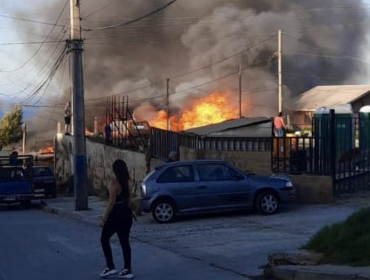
(193, 33)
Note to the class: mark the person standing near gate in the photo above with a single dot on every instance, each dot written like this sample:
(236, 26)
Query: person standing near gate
(67, 118)
(279, 125)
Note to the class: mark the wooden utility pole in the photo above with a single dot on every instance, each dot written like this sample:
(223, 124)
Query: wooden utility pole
(78, 109)
(240, 91)
(24, 138)
(280, 71)
(168, 104)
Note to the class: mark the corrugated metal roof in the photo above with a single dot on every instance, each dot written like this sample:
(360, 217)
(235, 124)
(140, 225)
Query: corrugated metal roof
(330, 96)
(226, 125)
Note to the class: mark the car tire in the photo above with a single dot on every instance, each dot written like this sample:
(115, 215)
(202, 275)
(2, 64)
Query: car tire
(164, 211)
(267, 203)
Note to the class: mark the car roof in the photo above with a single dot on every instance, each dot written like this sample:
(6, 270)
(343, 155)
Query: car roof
(190, 162)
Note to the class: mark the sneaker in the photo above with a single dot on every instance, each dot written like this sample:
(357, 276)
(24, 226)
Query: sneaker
(108, 272)
(126, 274)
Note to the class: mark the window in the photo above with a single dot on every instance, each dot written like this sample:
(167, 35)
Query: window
(216, 172)
(177, 174)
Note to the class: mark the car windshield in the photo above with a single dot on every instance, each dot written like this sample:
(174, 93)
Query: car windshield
(42, 172)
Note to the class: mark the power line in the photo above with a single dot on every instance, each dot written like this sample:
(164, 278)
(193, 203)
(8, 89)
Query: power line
(217, 79)
(42, 44)
(29, 43)
(31, 20)
(224, 59)
(98, 10)
(126, 23)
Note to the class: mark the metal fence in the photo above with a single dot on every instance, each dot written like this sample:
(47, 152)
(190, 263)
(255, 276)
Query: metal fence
(339, 147)
(162, 142)
(123, 130)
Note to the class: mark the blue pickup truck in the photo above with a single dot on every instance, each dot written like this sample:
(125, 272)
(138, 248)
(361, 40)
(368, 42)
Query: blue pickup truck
(16, 180)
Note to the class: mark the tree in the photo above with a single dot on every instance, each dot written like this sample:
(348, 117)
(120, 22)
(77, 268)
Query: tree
(11, 126)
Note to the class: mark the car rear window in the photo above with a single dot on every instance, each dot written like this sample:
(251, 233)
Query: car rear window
(42, 172)
(176, 174)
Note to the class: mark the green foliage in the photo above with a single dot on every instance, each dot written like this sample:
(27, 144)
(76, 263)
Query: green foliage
(346, 243)
(11, 126)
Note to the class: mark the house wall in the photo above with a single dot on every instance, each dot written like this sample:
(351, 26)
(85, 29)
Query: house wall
(303, 119)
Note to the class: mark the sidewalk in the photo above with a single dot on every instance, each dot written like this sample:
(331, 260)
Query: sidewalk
(65, 206)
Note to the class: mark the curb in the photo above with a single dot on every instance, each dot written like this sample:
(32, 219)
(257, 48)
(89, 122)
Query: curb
(66, 214)
(294, 273)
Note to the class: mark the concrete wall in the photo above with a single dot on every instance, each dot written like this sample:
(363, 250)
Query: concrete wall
(255, 162)
(100, 159)
(309, 189)
(313, 189)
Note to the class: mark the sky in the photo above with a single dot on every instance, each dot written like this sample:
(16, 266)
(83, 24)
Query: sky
(16, 86)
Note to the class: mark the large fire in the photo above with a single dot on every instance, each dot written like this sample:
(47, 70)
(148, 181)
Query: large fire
(212, 109)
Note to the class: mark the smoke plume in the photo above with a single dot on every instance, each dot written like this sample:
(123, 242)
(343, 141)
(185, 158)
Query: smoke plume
(193, 34)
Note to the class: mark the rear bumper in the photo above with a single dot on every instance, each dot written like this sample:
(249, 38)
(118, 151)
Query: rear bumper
(10, 198)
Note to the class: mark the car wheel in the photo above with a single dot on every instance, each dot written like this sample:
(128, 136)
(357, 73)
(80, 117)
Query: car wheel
(267, 203)
(164, 211)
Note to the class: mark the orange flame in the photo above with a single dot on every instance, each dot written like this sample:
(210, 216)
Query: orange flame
(212, 109)
(47, 150)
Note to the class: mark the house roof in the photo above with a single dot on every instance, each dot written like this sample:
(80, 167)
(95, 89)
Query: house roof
(330, 96)
(226, 125)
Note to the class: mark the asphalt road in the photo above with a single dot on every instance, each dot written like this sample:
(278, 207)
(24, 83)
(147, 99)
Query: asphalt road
(35, 245)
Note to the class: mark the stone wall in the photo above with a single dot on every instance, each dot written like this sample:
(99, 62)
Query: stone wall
(99, 159)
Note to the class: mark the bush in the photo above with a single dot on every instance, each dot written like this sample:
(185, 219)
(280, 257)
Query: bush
(346, 243)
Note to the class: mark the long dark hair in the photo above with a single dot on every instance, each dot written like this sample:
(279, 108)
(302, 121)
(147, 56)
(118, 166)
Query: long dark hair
(123, 177)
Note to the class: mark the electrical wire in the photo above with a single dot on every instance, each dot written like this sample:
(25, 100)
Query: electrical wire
(29, 43)
(42, 44)
(129, 22)
(224, 59)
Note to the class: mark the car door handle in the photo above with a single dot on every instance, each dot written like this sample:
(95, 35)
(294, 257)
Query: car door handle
(202, 187)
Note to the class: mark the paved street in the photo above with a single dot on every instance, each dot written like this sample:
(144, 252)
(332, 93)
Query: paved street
(37, 246)
(236, 242)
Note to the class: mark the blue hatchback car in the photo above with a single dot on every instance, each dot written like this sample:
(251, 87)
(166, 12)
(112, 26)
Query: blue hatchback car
(210, 185)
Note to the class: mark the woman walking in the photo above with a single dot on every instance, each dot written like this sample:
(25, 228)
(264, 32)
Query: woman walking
(117, 219)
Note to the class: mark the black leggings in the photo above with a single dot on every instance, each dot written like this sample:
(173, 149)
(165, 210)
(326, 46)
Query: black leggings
(120, 221)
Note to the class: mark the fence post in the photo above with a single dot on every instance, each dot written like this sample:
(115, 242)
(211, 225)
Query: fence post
(333, 150)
